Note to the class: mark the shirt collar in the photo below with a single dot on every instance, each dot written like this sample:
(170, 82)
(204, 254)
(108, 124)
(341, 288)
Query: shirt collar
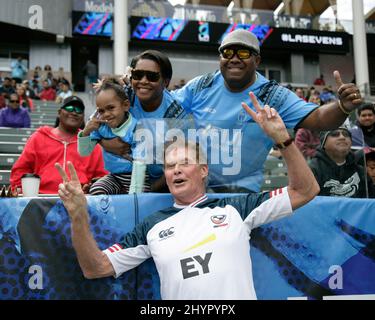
(193, 204)
(121, 131)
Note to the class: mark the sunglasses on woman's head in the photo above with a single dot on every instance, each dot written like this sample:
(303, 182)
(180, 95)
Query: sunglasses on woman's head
(241, 53)
(150, 75)
(78, 110)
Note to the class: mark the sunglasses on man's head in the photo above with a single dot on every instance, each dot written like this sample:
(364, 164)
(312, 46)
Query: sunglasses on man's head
(150, 75)
(241, 53)
(78, 110)
(13, 101)
(336, 133)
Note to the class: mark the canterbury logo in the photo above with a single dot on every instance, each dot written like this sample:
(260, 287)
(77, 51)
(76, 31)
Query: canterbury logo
(166, 233)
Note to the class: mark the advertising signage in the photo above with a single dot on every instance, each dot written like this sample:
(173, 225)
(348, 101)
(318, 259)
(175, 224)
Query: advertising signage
(210, 33)
(189, 32)
(93, 24)
(203, 33)
(308, 40)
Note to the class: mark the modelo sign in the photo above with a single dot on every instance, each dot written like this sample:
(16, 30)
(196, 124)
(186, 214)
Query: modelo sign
(308, 40)
(100, 6)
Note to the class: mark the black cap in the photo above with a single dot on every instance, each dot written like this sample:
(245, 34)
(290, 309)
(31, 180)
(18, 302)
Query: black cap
(64, 81)
(369, 153)
(324, 135)
(73, 101)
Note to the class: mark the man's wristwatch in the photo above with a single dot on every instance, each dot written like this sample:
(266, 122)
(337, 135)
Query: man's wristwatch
(284, 144)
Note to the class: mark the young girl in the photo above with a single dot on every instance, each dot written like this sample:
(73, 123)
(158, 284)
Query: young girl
(112, 119)
(147, 80)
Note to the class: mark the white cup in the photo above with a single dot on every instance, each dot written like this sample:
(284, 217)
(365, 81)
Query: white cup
(30, 185)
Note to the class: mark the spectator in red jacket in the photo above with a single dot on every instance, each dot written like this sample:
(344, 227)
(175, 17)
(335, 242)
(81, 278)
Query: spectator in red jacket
(320, 81)
(50, 145)
(48, 93)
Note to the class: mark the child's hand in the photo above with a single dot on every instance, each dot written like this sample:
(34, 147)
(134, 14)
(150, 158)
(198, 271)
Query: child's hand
(92, 125)
(86, 188)
(97, 85)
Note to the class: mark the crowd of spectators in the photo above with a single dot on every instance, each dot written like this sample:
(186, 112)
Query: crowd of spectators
(340, 166)
(17, 95)
(41, 86)
(308, 140)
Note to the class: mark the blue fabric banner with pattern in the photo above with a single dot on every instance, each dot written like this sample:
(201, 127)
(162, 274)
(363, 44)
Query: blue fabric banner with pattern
(326, 248)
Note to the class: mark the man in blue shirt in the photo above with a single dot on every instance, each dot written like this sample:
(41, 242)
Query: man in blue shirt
(237, 147)
(18, 70)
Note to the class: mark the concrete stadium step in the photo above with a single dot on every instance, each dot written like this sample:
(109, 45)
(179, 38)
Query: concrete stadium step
(13, 137)
(45, 110)
(39, 123)
(34, 125)
(4, 177)
(274, 182)
(7, 160)
(43, 117)
(22, 131)
(40, 103)
(275, 167)
(44, 114)
(11, 147)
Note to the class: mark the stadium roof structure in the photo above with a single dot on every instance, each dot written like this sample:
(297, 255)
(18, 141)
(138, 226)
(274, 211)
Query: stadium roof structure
(370, 15)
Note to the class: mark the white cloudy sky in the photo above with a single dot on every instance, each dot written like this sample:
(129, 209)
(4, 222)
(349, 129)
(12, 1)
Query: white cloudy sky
(344, 8)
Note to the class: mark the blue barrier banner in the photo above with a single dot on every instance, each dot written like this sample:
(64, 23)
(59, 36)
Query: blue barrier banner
(326, 248)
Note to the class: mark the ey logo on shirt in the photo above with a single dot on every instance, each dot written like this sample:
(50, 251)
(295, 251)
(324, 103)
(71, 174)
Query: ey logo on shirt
(194, 266)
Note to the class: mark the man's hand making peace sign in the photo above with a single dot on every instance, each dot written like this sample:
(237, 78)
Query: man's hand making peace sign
(70, 191)
(268, 119)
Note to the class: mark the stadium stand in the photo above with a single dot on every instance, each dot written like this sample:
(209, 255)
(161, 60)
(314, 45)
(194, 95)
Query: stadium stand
(13, 140)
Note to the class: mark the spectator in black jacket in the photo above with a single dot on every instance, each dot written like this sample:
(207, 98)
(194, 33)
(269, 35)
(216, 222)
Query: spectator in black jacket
(370, 164)
(336, 170)
(364, 133)
(6, 89)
